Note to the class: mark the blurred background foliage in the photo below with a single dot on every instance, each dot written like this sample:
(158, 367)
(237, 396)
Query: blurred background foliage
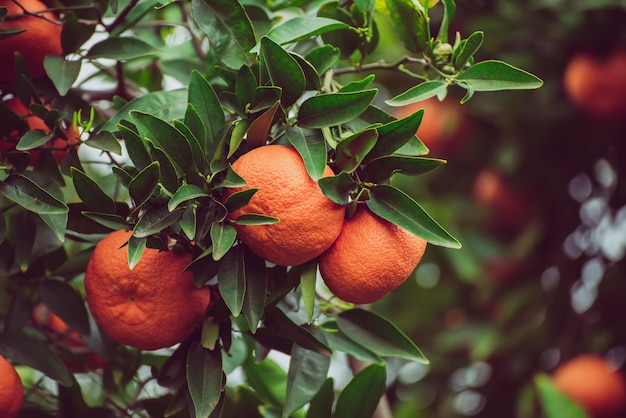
(534, 188)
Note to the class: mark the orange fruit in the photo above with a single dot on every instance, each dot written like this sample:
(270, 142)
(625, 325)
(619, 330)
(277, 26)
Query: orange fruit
(370, 258)
(41, 38)
(11, 390)
(597, 85)
(72, 349)
(445, 126)
(58, 145)
(309, 221)
(154, 305)
(595, 385)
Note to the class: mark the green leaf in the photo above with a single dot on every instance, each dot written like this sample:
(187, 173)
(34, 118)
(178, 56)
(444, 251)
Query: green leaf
(394, 135)
(268, 380)
(33, 353)
(135, 249)
(382, 168)
(231, 280)
(358, 85)
(448, 13)
(156, 219)
(205, 378)
(422, 91)
(410, 24)
(281, 324)
(322, 403)
(144, 184)
(104, 141)
(256, 219)
(197, 149)
(555, 403)
(333, 108)
(495, 75)
(120, 49)
(223, 237)
(238, 135)
(303, 27)
(67, 303)
(170, 172)
(62, 73)
(136, 147)
(239, 199)
(311, 146)
(378, 335)
(283, 71)
(308, 277)
(111, 221)
(307, 373)
(183, 194)
(7, 33)
(33, 139)
(365, 6)
(29, 195)
(199, 129)
(337, 188)
(323, 58)
(259, 129)
(362, 394)
(399, 208)
(169, 139)
(337, 340)
(90, 193)
(228, 28)
(256, 288)
(166, 105)
(205, 101)
(57, 223)
(351, 151)
(469, 48)
(245, 85)
(24, 226)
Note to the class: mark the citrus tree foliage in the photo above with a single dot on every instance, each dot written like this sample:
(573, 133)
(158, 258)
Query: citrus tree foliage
(170, 94)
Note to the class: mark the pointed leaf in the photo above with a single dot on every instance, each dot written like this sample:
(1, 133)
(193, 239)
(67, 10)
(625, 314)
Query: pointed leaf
(56, 222)
(120, 49)
(256, 219)
(143, 185)
(311, 146)
(259, 129)
(337, 188)
(136, 147)
(495, 75)
(256, 289)
(134, 250)
(228, 28)
(448, 13)
(378, 334)
(362, 394)
(33, 139)
(394, 135)
(337, 340)
(307, 373)
(104, 141)
(283, 71)
(90, 193)
(111, 221)
(156, 219)
(410, 24)
(555, 403)
(62, 73)
(205, 378)
(231, 280)
(308, 277)
(322, 403)
(470, 46)
(183, 194)
(382, 168)
(277, 321)
(239, 199)
(31, 196)
(205, 101)
(399, 208)
(303, 27)
(351, 151)
(422, 91)
(223, 237)
(333, 108)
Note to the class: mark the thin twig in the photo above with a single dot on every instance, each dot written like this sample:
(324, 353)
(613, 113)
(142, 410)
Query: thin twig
(120, 17)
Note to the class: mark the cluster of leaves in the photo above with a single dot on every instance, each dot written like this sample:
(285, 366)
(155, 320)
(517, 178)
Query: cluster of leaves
(271, 75)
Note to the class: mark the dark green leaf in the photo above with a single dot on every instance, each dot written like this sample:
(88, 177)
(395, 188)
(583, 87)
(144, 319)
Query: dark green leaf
(333, 108)
(199, 129)
(256, 288)
(351, 151)
(245, 85)
(156, 219)
(228, 28)
(144, 184)
(323, 57)
(555, 403)
(322, 403)
(33, 139)
(62, 73)
(205, 378)
(24, 226)
(358, 85)
(135, 249)
(67, 303)
(256, 219)
(29, 195)
(361, 396)
(337, 340)
(31, 352)
(312, 148)
(183, 194)
(422, 91)
(239, 199)
(113, 222)
(410, 24)
(308, 276)
(303, 27)
(278, 322)
(399, 208)
(120, 49)
(495, 75)
(469, 48)
(223, 237)
(206, 103)
(378, 334)
(283, 71)
(105, 141)
(231, 280)
(306, 375)
(337, 188)
(448, 13)
(136, 147)
(90, 193)
(170, 172)
(268, 380)
(197, 150)
(382, 168)
(393, 135)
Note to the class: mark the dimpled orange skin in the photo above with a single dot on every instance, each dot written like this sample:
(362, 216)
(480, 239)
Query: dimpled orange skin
(11, 390)
(597, 86)
(155, 305)
(370, 258)
(59, 145)
(591, 382)
(309, 221)
(40, 39)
